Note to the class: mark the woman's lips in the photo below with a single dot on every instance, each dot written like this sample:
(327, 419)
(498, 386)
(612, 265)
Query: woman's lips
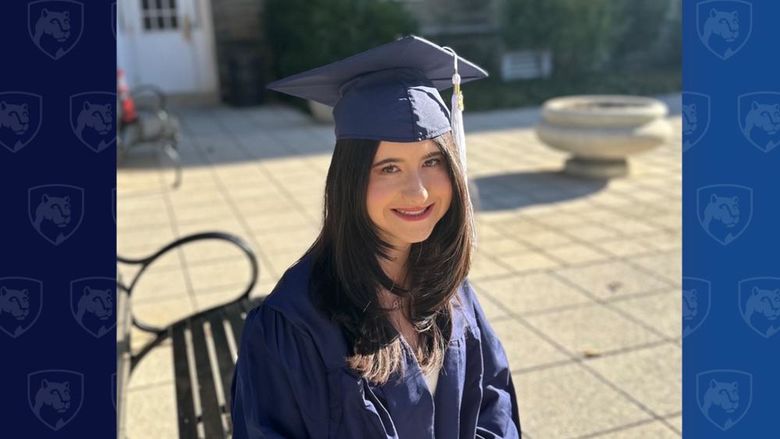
(406, 217)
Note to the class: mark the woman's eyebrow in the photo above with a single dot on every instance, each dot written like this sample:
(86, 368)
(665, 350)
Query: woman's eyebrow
(396, 160)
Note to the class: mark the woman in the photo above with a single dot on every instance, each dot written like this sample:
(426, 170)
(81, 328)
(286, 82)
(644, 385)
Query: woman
(375, 332)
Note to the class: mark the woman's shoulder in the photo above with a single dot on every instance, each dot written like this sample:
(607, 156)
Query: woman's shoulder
(289, 309)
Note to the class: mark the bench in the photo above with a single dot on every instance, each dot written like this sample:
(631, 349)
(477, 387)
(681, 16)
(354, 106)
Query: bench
(153, 124)
(205, 347)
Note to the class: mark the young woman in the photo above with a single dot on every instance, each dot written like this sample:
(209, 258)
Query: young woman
(376, 332)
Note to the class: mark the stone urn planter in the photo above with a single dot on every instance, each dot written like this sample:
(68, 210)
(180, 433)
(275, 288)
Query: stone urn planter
(321, 112)
(601, 131)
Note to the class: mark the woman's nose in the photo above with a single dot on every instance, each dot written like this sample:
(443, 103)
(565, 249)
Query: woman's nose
(415, 190)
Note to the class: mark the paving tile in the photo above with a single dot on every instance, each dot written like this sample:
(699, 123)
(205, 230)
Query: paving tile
(490, 306)
(163, 312)
(652, 376)
(211, 276)
(128, 241)
(624, 246)
(662, 311)
(653, 430)
(528, 261)
(531, 292)
(501, 246)
(151, 412)
(162, 282)
(205, 251)
(568, 402)
(544, 239)
(676, 422)
(606, 280)
(591, 329)
(524, 348)
(573, 254)
(154, 369)
(482, 266)
(667, 265)
(591, 232)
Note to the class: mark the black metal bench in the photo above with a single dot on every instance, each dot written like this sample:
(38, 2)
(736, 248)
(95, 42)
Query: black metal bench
(205, 346)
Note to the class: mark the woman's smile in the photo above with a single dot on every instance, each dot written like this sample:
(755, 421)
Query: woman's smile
(414, 214)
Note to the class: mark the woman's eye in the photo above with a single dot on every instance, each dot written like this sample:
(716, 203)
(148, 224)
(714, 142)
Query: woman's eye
(435, 162)
(385, 169)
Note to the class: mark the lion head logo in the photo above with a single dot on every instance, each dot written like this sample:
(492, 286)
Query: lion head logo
(92, 119)
(722, 24)
(55, 396)
(15, 302)
(724, 210)
(55, 211)
(759, 304)
(759, 118)
(92, 304)
(14, 117)
(724, 396)
(55, 26)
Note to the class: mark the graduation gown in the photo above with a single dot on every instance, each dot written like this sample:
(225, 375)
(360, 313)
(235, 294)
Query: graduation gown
(291, 380)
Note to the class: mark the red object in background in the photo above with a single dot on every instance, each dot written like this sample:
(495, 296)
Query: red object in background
(129, 115)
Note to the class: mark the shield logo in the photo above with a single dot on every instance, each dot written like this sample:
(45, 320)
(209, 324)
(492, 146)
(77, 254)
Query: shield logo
(93, 304)
(696, 303)
(92, 119)
(724, 210)
(724, 396)
(759, 119)
(55, 26)
(724, 26)
(55, 210)
(759, 304)
(21, 302)
(20, 118)
(55, 396)
(695, 118)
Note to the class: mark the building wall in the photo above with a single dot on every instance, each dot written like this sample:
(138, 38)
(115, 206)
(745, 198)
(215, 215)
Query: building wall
(242, 57)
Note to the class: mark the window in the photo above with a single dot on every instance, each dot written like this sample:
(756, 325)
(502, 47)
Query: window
(159, 15)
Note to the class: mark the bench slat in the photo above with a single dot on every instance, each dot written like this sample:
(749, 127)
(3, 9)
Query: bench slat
(186, 410)
(224, 359)
(211, 414)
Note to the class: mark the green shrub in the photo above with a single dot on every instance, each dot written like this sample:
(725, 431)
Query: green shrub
(304, 34)
(592, 35)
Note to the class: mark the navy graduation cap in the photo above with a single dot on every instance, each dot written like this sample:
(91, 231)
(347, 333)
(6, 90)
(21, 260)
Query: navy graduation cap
(390, 92)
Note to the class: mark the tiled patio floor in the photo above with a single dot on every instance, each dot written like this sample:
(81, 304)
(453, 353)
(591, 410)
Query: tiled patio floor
(579, 278)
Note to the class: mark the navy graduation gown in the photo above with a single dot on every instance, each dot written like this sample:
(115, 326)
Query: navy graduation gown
(291, 380)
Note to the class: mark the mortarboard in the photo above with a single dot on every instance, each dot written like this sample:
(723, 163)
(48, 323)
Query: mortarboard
(389, 92)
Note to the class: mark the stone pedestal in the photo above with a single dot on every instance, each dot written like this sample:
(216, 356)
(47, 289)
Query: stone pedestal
(601, 131)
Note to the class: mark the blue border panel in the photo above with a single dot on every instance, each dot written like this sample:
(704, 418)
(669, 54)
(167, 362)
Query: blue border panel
(58, 231)
(731, 219)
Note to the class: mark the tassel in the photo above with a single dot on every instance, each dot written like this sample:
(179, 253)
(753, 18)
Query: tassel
(457, 121)
(459, 134)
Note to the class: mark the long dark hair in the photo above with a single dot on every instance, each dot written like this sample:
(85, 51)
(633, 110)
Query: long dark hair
(346, 274)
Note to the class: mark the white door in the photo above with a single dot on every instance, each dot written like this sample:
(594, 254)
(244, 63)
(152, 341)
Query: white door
(167, 43)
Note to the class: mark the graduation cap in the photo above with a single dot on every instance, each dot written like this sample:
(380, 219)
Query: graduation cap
(390, 92)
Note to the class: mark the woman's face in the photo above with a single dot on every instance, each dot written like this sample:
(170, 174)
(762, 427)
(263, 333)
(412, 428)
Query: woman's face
(409, 190)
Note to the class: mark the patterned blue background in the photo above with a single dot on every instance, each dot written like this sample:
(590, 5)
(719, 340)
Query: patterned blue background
(55, 376)
(731, 385)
